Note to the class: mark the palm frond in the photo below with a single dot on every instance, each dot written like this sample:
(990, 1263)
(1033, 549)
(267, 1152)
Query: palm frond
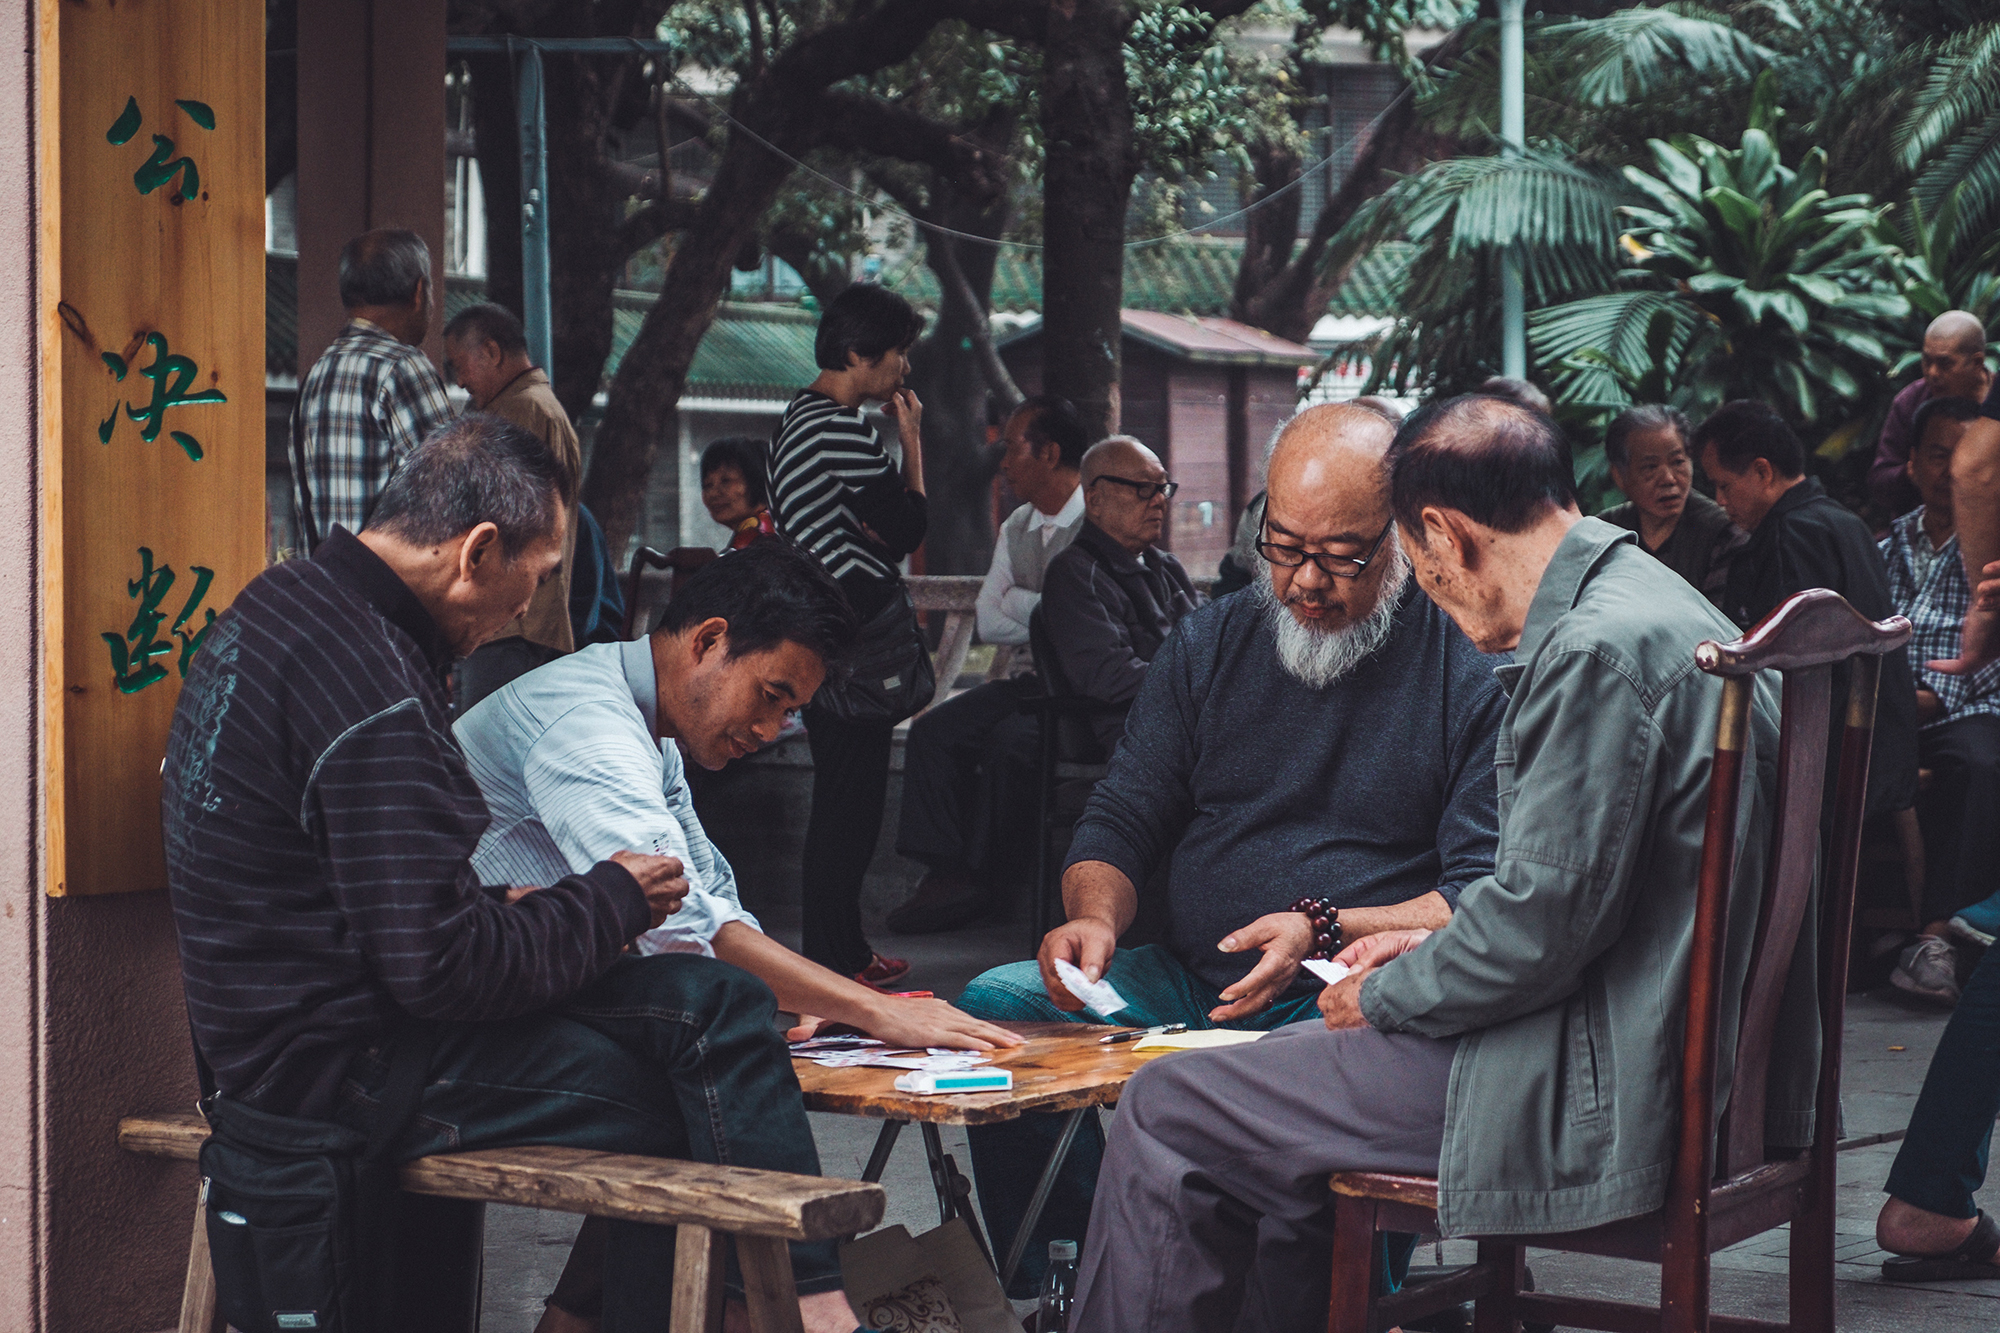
(1963, 86)
(1632, 53)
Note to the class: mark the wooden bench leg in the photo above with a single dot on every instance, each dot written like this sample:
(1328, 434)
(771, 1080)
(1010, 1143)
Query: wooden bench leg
(768, 1288)
(198, 1296)
(1353, 1257)
(697, 1306)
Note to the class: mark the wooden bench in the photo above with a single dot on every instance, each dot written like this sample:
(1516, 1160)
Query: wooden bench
(761, 1210)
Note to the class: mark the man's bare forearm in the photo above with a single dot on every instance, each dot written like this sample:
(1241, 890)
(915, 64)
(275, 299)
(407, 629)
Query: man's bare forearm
(1426, 913)
(801, 985)
(1975, 489)
(1101, 891)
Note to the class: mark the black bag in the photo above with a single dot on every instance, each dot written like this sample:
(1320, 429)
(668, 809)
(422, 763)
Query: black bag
(300, 1212)
(889, 676)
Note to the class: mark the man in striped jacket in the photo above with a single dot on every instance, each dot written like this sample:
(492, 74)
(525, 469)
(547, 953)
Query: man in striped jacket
(320, 825)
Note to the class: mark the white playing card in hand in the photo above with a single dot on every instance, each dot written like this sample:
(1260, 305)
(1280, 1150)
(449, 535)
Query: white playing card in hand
(1329, 972)
(1099, 996)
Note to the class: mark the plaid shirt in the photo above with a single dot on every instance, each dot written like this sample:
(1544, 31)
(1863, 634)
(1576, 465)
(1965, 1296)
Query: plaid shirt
(366, 402)
(1936, 604)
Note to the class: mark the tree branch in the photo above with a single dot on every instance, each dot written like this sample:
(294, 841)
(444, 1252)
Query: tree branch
(653, 221)
(870, 125)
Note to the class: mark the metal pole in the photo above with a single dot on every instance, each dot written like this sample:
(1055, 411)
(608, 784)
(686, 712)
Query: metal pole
(531, 116)
(1513, 137)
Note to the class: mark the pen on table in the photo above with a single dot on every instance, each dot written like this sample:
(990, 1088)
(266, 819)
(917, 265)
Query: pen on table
(1163, 1030)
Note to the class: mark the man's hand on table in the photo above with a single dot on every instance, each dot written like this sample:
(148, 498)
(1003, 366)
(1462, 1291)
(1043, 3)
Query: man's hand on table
(1087, 942)
(902, 1021)
(661, 878)
(1285, 938)
(1341, 1005)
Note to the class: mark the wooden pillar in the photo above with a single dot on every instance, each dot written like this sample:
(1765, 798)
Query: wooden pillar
(371, 144)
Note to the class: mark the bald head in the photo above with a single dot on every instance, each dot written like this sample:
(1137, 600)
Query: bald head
(1125, 491)
(1955, 357)
(1331, 448)
(1959, 329)
(1501, 465)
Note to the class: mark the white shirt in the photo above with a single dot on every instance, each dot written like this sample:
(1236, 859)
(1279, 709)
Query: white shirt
(572, 769)
(1004, 605)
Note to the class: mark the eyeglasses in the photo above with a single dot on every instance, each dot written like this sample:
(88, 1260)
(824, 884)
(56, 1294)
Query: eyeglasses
(1339, 566)
(1145, 490)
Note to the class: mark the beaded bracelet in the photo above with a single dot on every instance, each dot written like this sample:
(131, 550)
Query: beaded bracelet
(1325, 917)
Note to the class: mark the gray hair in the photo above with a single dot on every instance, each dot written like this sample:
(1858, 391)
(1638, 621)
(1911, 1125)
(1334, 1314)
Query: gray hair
(477, 469)
(383, 267)
(1646, 416)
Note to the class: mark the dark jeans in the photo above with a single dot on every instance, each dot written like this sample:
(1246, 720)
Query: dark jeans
(669, 1056)
(850, 783)
(1943, 1159)
(494, 666)
(1008, 1158)
(968, 775)
(1960, 814)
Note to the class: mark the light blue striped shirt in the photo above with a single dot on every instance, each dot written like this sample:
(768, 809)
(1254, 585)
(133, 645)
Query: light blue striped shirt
(569, 760)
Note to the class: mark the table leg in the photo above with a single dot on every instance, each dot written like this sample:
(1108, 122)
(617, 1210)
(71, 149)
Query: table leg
(1041, 1195)
(934, 1152)
(878, 1160)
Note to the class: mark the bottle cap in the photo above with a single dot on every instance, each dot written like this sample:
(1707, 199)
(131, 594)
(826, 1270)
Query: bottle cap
(1062, 1249)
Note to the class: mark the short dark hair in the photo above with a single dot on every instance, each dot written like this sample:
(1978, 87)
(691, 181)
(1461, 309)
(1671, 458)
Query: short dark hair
(770, 592)
(489, 323)
(1498, 463)
(476, 469)
(1941, 409)
(867, 320)
(1048, 419)
(1515, 391)
(1644, 416)
(745, 453)
(383, 267)
(1745, 430)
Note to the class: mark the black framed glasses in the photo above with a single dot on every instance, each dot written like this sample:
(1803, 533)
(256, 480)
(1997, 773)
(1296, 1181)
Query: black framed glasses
(1339, 566)
(1145, 490)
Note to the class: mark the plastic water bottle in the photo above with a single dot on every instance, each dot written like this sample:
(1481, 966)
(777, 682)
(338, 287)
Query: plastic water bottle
(1058, 1288)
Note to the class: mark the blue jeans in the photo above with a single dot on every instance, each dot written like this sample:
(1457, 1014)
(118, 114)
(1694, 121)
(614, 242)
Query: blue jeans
(1008, 1158)
(1943, 1158)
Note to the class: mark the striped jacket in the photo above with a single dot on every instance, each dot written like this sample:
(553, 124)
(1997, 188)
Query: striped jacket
(829, 476)
(365, 403)
(320, 824)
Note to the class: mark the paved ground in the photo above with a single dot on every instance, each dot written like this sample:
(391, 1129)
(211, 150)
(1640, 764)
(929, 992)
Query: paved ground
(1888, 1048)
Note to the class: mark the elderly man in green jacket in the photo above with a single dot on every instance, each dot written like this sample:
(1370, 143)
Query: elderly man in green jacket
(1528, 1052)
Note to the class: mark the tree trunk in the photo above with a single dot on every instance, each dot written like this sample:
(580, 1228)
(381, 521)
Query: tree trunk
(946, 373)
(1086, 119)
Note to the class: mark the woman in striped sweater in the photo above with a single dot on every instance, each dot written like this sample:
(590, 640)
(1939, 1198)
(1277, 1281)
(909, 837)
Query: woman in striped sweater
(835, 491)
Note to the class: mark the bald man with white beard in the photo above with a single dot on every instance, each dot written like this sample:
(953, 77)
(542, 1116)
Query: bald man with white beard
(1325, 733)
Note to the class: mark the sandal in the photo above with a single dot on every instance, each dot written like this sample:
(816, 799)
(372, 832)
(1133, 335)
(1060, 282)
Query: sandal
(1969, 1262)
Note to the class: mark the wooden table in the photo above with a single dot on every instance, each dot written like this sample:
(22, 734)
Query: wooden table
(1060, 1068)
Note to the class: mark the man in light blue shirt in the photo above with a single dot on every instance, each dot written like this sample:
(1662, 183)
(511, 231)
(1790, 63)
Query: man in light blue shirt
(578, 755)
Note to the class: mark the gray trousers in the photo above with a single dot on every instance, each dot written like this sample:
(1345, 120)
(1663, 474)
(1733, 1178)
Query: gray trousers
(1212, 1211)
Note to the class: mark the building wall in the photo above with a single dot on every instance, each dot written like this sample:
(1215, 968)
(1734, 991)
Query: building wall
(1201, 524)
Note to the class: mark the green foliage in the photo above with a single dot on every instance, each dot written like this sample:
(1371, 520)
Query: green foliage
(1750, 280)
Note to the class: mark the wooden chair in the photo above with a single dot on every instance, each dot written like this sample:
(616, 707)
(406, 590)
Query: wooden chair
(1725, 1186)
(760, 1210)
(682, 560)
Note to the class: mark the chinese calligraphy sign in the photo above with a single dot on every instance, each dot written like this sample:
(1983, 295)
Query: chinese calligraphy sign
(171, 376)
(132, 654)
(162, 167)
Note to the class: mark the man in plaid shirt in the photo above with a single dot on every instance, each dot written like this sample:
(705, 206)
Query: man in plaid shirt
(1959, 716)
(373, 394)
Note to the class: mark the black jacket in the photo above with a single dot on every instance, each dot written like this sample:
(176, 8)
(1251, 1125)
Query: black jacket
(1108, 611)
(1811, 540)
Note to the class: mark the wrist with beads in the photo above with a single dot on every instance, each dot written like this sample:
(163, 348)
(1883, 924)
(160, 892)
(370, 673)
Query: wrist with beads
(1324, 917)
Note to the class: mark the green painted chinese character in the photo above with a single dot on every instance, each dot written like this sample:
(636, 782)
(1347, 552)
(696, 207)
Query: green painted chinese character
(172, 376)
(132, 654)
(162, 168)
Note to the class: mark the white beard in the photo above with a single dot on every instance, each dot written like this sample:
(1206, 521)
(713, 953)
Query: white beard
(1317, 658)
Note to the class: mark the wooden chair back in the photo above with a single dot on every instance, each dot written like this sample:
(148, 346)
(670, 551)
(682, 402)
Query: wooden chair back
(682, 560)
(1805, 639)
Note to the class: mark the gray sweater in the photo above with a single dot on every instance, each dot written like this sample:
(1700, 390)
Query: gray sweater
(1255, 790)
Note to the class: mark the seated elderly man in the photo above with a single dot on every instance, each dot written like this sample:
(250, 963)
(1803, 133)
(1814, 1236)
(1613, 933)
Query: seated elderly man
(1455, 1051)
(336, 936)
(1326, 733)
(1111, 597)
(571, 761)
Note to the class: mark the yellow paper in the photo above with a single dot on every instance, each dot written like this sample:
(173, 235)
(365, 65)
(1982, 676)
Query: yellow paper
(1194, 1041)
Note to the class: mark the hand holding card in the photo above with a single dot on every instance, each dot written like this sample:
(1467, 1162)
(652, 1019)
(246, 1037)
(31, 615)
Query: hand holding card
(1099, 996)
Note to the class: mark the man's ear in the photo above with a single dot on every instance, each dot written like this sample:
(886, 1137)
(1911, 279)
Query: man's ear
(710, 636)
(479, 548)
(1447, 530)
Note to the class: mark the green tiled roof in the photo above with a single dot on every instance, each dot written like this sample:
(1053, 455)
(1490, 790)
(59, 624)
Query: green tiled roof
(750, 351)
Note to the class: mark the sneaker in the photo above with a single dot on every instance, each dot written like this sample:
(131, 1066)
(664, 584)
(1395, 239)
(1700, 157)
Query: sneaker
(881, 971)
(1928, 970)
(1979, 923)
(943, 901)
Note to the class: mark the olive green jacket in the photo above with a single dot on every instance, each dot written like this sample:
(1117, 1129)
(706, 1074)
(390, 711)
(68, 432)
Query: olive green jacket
(1564, 972)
